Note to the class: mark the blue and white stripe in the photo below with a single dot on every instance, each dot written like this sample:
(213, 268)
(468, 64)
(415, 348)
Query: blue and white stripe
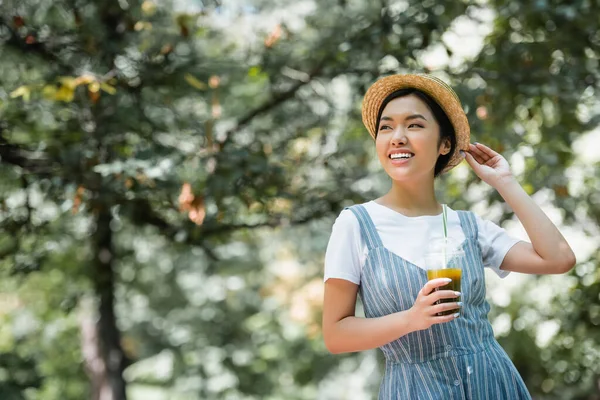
(460, 359)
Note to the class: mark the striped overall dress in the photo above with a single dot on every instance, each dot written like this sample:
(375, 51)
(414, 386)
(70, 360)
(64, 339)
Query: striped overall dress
(459, 359)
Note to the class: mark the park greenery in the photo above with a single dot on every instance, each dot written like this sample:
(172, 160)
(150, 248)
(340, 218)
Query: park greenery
(170, 171)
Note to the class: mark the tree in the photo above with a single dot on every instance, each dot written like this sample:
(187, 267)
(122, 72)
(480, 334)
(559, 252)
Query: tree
(154, 162)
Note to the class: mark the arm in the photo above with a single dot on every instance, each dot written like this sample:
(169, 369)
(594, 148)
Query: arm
(343, 332)
(548, 252)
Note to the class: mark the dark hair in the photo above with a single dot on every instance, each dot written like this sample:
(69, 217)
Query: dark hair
(446, 128)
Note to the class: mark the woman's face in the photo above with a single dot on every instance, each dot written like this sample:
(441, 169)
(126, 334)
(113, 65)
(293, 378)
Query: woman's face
(408, 139)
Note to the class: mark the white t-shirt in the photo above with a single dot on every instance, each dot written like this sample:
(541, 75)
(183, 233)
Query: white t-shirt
(408, 238)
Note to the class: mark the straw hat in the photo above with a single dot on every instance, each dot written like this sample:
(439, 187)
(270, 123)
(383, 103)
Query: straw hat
(436, 89)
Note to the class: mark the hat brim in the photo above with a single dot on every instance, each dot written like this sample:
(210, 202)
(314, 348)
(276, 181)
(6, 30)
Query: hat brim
(430, 85)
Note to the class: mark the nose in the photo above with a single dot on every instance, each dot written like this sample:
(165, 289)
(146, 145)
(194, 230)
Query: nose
(399, 137)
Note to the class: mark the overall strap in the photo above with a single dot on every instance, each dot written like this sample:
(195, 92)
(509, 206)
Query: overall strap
(367, 227)
(468, 224)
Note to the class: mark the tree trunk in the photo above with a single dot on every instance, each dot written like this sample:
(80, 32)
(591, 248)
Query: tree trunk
(101, 338)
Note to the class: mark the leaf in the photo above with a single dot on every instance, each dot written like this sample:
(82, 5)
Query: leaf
(18, 21)
(274, 36)
(23, 91)
(148, 7)
(68, 81)
(94, 87)
(49, 92)
(65, 93)
(561, 190)
(214, 81)
(166, 49)
(198, 211)
(85, 80)
(198, 84)
(186, 197)
(142, 25)
(77, 199)
(108, 88)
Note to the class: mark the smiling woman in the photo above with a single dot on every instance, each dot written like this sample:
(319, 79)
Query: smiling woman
(409, 116)
(378, 250)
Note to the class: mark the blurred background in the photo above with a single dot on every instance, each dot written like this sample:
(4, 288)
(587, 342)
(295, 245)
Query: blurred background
(170, 171)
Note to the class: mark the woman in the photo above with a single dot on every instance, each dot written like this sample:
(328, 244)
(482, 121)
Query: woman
(377, 250)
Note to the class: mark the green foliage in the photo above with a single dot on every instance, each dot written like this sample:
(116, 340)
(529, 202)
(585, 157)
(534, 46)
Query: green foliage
(189, 163)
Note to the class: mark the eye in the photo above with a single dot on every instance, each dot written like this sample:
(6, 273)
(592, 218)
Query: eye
(384, 127)
(417, 125)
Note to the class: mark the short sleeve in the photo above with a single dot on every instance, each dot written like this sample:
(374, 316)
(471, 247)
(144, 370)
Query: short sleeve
(495, 242)
(344, 256)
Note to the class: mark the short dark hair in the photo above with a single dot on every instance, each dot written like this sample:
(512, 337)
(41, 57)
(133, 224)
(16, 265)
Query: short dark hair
(446, 128)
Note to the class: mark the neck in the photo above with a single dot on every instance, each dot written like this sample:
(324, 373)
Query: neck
(412, 200)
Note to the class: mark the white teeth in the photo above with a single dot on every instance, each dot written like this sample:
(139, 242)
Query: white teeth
(400, 155)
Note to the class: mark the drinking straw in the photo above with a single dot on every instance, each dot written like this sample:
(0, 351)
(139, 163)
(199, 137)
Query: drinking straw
(445, 220)
(445, 224)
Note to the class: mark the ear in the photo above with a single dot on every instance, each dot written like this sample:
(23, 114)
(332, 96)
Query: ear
(445, 146)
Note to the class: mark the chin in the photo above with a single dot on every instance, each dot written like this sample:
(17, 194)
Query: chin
(400, 176)
(405, 174)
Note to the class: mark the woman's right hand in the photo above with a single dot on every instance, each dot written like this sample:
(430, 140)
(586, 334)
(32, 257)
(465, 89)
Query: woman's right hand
(424, 311)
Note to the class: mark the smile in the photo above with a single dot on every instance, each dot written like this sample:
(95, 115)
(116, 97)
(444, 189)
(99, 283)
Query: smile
(400, 156)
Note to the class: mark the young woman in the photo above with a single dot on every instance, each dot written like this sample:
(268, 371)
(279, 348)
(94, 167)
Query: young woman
(376, 250)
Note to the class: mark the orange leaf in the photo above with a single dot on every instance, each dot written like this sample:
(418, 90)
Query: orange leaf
(214, 82)
(561, 191)
(274, 36)
(186, 197)
(77, 199)
(482, 112)
(198, 211)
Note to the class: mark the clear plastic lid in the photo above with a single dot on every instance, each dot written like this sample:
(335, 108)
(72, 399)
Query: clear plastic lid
(444, 253)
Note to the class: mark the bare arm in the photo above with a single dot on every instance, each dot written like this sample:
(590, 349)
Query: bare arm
(548, 252)
(343, 332)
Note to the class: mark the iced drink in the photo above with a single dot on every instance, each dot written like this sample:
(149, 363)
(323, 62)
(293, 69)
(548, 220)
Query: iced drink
(445, 258)
(452, 273)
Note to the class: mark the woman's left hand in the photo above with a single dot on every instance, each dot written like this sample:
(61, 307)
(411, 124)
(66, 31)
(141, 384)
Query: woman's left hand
(490, 166)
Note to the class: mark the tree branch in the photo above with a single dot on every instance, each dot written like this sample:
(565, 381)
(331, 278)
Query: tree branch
(277, 99)
(15, 155)
(143, 214)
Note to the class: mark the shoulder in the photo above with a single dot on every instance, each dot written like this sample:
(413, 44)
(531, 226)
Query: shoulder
(347, 222)
(348, 216)
(345, 233)
(487, 229)
(346, 219)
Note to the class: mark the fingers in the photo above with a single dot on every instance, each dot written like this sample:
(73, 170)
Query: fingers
(444, 318)
(442, 294)
(483, 148)
(431, 285)
(471, 160)
(439, 308)
(478, 154)
(476, 157)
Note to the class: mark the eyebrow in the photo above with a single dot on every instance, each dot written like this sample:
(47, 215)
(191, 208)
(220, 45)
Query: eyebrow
(412, 116)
